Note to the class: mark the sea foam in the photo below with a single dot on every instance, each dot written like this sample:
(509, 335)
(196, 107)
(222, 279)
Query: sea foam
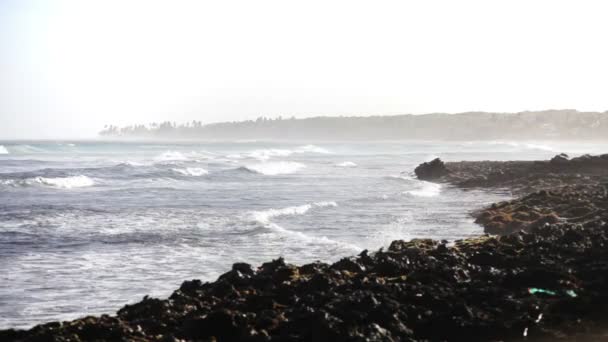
(264, 219)
(427, 189)
(264, 216)
(171, 156)
(275, 168)
(265, 154)
(53, 182)
(191, 171)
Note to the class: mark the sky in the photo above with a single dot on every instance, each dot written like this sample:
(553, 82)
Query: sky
(69, 67)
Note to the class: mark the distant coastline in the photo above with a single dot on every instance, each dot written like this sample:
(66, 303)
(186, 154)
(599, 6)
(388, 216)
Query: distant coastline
(530, 125)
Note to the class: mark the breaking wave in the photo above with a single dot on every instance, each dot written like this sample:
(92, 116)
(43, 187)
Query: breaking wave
(275, 168)
(347, 164)
(427, 189)
(265, 154)
(265, 215)
(171, 156)
(53, 182)
(26, 149)
(3, 150)
(191, 171)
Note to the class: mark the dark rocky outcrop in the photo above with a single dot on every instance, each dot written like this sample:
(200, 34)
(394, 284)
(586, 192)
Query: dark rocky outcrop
(432, 170)
(560, 190)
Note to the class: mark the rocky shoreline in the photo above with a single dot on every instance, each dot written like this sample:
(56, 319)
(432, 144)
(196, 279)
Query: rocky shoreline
(542, 276)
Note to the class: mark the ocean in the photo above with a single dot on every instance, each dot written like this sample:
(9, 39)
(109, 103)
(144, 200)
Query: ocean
(89, 226)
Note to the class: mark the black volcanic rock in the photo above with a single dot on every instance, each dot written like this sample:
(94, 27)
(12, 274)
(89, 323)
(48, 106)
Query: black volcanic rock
(431, 170)
(561, 190)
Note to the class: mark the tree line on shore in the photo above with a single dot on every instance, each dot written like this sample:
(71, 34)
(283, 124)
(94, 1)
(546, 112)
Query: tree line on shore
(537, 125)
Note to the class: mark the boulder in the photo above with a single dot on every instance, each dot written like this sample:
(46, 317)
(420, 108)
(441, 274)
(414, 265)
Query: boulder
(431, 170)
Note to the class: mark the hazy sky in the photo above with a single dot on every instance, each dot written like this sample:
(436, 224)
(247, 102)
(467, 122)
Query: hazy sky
(69, 67)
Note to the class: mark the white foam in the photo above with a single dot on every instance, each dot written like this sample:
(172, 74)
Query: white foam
(400, 177)
(269, 153)
(191, 171)
(263, 218)
(275, 168)
(131, 163)
(347, 164)
(311, 148)
(171, 156)
(265, 154)
(3, 150)
(53, 182)
(265, 215)
(427, 189)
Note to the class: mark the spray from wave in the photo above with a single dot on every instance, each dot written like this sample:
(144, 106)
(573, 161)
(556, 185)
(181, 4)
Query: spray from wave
(3, 150)
(427, 189)
(275, 168)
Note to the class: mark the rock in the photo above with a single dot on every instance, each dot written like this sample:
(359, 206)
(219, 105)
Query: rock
(561, 158)
(432, 170)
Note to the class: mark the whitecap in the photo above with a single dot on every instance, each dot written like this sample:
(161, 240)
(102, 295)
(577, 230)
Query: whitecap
(400, 177)
(191, 171)
(53, 182)
(264, 216)
(312, 148)
(268, 153)
(275, 168)
(171, 156)
(26, 149)
(427, 189)
(3, 150)
(130, 163)
(347, 164)
(265, 154)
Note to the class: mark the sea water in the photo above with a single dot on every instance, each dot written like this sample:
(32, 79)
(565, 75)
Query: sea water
(88, 226)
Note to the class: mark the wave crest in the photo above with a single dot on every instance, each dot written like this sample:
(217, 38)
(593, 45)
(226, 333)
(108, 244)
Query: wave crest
(264, 216)
(347, 164)
(53, 182)
(427, 189)
(171, 156)
(275, 168)
(266, 154)
(3, 150)
(191, 171)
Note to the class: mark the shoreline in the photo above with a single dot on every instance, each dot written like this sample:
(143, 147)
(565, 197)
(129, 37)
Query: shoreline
(543, 283)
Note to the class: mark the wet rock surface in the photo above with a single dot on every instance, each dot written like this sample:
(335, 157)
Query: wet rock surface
(560, 191)
(524, 177)
(546, 280)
